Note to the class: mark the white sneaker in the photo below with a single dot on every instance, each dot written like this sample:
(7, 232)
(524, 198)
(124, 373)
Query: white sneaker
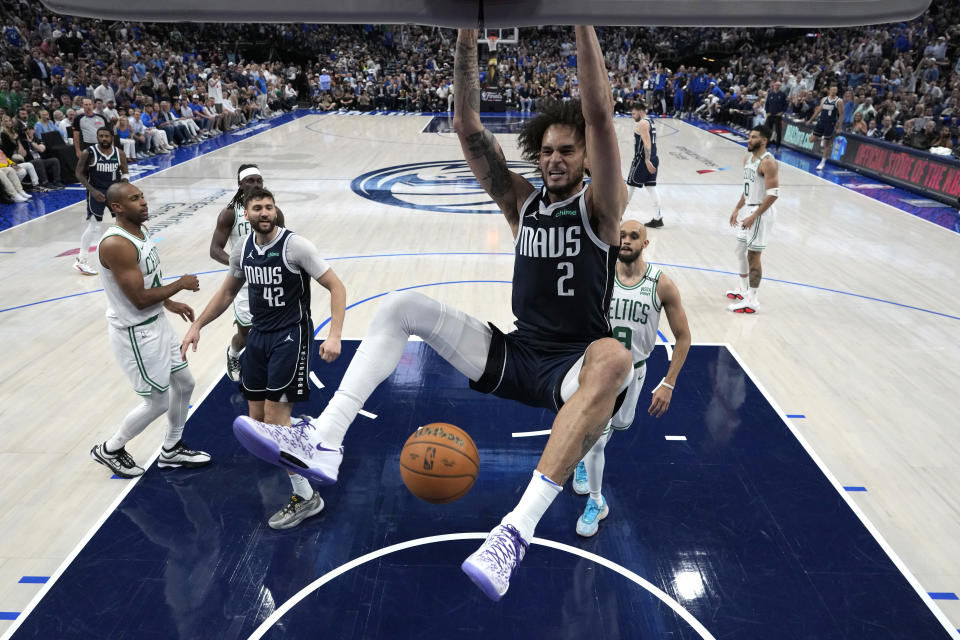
(297, 448)
(745, 306)
(182, 456)
(491, 566)
(84, 268)
(26, 196)
(19, 198)
(821, 165)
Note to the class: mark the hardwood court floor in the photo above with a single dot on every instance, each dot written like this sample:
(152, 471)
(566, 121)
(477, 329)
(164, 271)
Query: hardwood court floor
(857, 331)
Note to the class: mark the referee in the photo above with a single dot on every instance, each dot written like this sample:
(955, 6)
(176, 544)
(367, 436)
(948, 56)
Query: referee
(85, 128)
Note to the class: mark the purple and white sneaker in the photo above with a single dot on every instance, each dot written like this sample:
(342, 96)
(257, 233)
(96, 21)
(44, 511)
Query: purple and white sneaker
(491, 566)
(297, 448)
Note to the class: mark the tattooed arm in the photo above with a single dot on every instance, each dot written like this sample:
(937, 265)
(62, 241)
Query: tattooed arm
(483, 153)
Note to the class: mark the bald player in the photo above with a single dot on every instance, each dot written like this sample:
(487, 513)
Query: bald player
(640, 292)
(142, 339)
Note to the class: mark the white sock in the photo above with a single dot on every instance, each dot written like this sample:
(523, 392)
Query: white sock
(630, 191)
(753, 294)
(181, 388)
(652, 191)
(91, 230)
(139, 419)
(744, 283)
(233, 352)
(539, 495)
(301, 486)
(594, 462)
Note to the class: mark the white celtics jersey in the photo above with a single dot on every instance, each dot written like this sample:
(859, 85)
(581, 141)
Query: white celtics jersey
(120, 311)
(240, 228)
(635, 314)
(754, 186)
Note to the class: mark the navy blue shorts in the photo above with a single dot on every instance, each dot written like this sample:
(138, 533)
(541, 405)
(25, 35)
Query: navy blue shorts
(276, 364)
(825, 130)
(639, 176)
(95, 208)
(528, 370)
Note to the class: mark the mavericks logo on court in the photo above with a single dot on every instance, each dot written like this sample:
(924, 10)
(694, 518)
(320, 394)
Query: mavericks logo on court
(446, 186)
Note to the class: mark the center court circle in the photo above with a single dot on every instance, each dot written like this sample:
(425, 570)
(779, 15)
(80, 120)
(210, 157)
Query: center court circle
(285, 608)
(441, 186)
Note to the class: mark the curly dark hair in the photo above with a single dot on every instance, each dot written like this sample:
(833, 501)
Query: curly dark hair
(553, 112)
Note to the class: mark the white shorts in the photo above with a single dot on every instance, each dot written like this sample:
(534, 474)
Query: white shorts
(148, 353)
(757, 235)
(241, 307)
(624, 417)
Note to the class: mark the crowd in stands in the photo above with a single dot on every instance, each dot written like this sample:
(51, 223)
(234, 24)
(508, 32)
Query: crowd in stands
(162, 85)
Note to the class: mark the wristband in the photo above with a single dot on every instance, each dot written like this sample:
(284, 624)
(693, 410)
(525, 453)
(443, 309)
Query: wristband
(666, 384)
(125, 176)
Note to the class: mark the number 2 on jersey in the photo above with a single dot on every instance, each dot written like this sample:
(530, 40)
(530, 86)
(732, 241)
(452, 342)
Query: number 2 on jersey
(273, 296)
(562, 281)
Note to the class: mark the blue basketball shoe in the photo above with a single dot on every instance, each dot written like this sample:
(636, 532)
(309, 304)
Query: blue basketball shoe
(580, 485)
(589, 522)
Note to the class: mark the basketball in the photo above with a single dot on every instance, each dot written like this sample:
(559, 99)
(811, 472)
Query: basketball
(439, 463)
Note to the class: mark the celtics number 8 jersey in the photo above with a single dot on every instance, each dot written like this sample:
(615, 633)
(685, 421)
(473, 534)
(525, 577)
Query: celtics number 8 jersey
(635, 314)
(120, 311)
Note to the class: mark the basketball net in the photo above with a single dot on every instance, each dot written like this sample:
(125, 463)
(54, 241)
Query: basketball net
(492, 42)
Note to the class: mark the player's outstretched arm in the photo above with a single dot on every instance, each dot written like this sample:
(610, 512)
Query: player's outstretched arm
(217, 305)
(607, 193)
(677, 318)
(330, 348)
(480, 148)
(120, 257)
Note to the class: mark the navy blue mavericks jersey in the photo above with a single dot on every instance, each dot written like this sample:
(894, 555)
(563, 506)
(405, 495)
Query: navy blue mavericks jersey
(829, 113)
(279, 295)
(562, 272)
(638, 141)
(104, 170)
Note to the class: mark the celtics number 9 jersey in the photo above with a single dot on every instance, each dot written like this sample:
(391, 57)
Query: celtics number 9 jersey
(635, 314)
(120, 311)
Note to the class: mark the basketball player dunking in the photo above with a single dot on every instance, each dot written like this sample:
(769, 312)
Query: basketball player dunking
(646, 162)
(99, 167)
(561, 357)
(830, 111)
(761, 188)
(232, 228)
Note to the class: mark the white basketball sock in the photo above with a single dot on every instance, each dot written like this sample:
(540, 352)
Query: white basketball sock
(744, 283)
(753, 294)
(539, 495)
(594, 462)
(233, 352)
(461, 340)
(301, 486)
(630, 191)
(655, 197)
(139, 419)
(91, 231)
(181, 388)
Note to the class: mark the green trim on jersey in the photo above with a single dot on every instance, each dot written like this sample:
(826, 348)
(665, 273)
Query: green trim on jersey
(646, 274)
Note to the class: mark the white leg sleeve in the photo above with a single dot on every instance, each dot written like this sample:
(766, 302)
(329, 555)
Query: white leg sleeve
(461, 340)
(655, 197)
(91, 231)
(742, 263)
(630, 191)
(139, 419)
(594, 461)
(181, 388)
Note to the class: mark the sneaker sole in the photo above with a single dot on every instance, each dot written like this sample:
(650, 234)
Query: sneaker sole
(303, 515)
(268, 451)
(479, 578)
(186, 465)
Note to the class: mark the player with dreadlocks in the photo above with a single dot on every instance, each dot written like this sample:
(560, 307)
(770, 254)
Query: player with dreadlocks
(233, 227)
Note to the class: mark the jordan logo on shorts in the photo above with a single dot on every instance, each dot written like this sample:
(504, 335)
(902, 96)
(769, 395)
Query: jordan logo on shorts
(288, 338)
